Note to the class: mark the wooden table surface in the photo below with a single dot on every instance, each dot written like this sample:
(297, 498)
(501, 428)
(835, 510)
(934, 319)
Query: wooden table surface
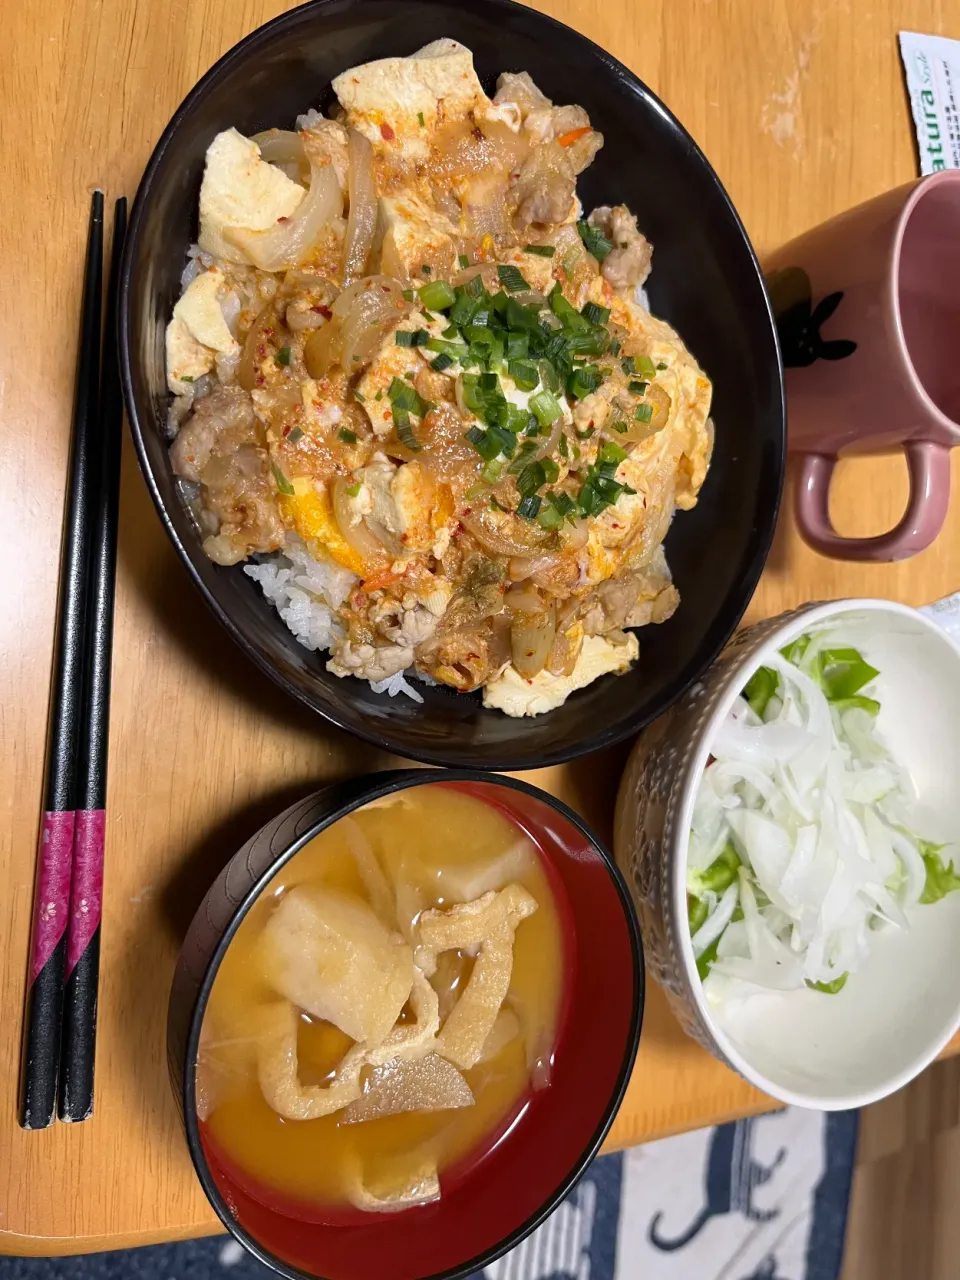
(800, 106)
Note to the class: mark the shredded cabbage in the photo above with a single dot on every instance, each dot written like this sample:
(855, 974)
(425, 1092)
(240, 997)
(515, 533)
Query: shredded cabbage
(803, 841)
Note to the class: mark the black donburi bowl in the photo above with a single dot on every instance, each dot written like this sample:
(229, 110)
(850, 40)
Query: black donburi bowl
(705, 282)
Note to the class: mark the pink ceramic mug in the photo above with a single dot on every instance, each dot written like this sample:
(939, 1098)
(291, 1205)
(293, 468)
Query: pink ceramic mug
(868, 313)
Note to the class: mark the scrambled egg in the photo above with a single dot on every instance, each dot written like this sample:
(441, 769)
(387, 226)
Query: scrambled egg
(240, 189)
(516, 696)
(197, 332)
(398, 100)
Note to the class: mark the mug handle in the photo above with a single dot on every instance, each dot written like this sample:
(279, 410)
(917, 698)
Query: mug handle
(929, 466)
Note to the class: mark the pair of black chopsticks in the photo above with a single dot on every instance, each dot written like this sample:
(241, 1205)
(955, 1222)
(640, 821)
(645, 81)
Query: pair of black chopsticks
(60, 1014)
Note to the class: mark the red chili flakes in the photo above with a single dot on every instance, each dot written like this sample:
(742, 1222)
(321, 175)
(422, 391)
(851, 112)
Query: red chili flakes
(387, 133)
(323, 311)
(283, 219)
(478, 134)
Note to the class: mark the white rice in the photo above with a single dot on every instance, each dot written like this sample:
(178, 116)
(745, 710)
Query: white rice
(306, 592)
(197, 262)
(309, 118)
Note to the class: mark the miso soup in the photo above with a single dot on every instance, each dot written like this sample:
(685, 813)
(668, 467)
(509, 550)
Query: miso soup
(387, 1010)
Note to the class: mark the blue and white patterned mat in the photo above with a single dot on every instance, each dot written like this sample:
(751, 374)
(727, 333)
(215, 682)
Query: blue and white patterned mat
(762, 1199)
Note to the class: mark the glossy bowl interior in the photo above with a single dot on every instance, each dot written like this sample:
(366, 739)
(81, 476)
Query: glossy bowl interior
(705, 282)
(520, 1181)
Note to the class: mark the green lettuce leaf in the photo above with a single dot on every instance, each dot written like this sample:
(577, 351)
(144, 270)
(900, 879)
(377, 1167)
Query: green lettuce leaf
(941, 878)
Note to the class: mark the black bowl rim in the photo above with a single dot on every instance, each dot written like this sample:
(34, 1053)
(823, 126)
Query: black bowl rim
(379, 785)
(389, 740)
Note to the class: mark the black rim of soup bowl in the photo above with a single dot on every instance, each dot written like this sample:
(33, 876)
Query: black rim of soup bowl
(190, 993)
(592, 719)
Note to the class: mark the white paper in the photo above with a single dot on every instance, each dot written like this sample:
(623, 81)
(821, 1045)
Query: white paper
(946, 614)
(932, 66)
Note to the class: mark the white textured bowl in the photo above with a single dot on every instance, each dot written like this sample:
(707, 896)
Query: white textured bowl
(895, 1015)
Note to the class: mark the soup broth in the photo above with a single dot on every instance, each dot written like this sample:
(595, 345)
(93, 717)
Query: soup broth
(430, 892)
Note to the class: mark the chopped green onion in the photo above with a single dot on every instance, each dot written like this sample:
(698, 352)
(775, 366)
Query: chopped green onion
(474, 286)
(549, 517)
(611, 454)
(187, 377)
(585, 434)
(563, 447)
(628, 364)
(420, 119)
(529, 507)
(476, 491)
(484, 443)
(358, 396)
(511, 278)
(524, 374)
(443, 361)
(550, 470)
(408, 294)
(594, 240)
(405, 398)
(643, 412)
(346, 436)
(463, 260)
(531, 478)
(594, 313)
(549, 376)
(378, 396)
(518, 345)
(353, 490)
(614, 347)
(593, 343)
(283, 484)
(583, 381)
(294, 434)
(541, 250)
(619, 426)
(437, 295)
(645, 367)
(662, 365)
(638, 388)
(567, 313)
(283, 356)
(401, 420)
(546, 407)
(492, 471)
(426, 269)
(419, 338)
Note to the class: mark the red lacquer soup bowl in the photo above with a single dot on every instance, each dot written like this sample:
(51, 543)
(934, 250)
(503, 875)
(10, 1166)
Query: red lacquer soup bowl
(556, 1131)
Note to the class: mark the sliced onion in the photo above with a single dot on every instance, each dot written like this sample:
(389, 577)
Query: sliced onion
(576, 535)
(531, 639)
(504, 541)
(322, 349)
(291, 241)
(362, 217)
(366, 311)
(249, 365)
(717, 921)
(524, 600)
(283, 148)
